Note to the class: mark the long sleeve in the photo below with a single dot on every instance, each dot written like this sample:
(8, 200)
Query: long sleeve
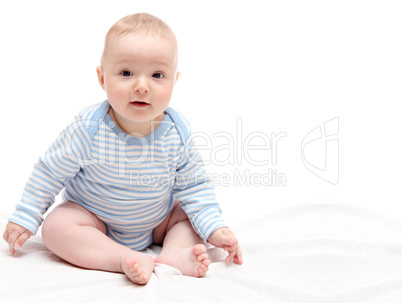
(195, 193)
(53, 170)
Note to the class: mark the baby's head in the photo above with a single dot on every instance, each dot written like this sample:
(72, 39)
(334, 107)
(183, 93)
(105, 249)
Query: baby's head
(139, 23)
(138, 69)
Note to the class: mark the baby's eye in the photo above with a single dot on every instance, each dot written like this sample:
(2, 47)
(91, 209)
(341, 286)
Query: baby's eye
(126, 73)
(158, 75)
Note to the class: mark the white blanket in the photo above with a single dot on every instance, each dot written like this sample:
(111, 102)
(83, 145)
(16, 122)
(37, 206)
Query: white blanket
(309, 253)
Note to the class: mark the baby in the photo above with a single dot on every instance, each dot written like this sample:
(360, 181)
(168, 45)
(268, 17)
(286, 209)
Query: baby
(129, 173)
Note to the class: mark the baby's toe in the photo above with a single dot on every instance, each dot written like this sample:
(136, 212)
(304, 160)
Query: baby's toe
(206, 262)
(204, 267)
(199, 249)
(202, 257)
(202, 270)
(137, 272)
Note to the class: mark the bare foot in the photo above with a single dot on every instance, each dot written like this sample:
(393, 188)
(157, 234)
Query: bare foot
(191, 261)
(138, 267)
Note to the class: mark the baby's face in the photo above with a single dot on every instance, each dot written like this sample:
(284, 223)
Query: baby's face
(138, 74)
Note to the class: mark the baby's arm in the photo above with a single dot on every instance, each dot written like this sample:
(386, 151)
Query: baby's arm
(58, 165)
(224, 238)
(16, 235)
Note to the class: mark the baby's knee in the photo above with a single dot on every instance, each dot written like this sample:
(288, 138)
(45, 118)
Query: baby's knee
(69, 215)
(58, 222)
(49, 227)
(52, 224)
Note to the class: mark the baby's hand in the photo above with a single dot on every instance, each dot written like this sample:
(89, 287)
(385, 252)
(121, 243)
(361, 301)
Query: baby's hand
(16, 235)
(224, 238)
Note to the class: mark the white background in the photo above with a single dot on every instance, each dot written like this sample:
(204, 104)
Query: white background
(279, 66)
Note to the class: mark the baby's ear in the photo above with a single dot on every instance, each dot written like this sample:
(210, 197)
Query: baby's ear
(101, 77)
(178, 75)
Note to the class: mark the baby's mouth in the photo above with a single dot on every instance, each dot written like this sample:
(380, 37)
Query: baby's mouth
(140, 104)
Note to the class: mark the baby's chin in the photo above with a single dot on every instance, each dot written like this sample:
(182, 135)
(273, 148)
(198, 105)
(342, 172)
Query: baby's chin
(146, 114)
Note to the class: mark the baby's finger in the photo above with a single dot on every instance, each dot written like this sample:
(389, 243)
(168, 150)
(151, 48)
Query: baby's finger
(238, 258)
(22, 239)
(231, 247)
(230, 256)
(5, 235)
(12, 237)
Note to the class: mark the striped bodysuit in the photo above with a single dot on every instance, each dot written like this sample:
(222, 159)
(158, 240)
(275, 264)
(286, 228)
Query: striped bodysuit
(129, 183)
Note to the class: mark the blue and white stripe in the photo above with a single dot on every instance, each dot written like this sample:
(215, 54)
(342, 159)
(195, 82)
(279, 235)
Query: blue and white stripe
(129, 183)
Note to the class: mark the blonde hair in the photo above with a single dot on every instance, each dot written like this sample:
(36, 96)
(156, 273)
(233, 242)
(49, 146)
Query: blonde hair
(140, 23)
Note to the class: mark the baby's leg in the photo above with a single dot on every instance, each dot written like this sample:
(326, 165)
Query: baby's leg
(182, 248)
(79, 237)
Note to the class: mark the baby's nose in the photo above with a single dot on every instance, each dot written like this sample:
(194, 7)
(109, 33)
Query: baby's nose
(141, 90)
(141, 87)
